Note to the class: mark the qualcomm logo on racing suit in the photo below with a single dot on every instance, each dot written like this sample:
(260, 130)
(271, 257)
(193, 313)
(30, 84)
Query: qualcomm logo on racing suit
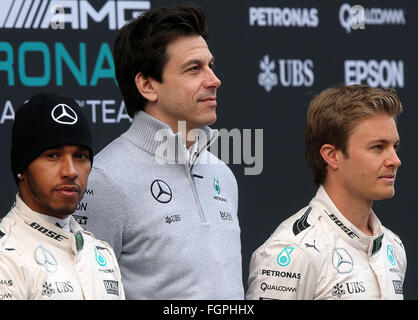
(291, 73)
(372, 16)
(265, 286)
(385, 73)
(44, 14)
(283, 17)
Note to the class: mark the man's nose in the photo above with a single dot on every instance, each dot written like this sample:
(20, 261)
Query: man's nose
(393, 160)
(212, 80)
(68, 168)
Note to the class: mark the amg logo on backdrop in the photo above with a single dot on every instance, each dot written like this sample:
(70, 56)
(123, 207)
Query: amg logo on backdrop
(55, 14)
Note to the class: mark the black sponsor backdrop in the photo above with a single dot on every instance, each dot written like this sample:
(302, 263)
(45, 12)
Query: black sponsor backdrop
(285, 184)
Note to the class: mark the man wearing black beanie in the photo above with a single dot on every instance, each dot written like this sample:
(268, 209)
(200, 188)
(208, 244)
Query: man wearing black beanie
(44, 252)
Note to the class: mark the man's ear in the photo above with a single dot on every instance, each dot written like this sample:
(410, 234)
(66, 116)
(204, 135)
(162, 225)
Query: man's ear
(146, 87)
(330, 155)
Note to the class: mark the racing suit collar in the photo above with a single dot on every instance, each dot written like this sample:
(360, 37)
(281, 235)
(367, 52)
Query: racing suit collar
(158, 138)
(344, 228)
(41, 226)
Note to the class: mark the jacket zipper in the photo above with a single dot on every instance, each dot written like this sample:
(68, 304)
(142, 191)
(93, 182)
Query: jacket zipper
(190, 177)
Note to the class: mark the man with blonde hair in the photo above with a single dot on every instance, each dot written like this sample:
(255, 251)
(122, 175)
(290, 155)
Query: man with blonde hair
(336, 247)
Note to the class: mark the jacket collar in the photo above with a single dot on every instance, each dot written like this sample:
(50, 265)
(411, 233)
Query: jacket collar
(348, 231)
(157, 138)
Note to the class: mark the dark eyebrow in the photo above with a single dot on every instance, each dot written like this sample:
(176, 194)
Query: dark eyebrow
(195, 61)
(80, 148)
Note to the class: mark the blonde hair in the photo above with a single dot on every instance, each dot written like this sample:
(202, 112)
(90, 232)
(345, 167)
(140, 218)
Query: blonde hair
(333, 114)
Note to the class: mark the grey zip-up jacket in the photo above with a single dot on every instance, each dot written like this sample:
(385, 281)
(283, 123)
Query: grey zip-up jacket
(172, 220)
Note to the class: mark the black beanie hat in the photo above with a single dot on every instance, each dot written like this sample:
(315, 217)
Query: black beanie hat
(45, 121)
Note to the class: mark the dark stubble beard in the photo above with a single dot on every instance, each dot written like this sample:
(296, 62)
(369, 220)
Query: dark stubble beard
(44, 199)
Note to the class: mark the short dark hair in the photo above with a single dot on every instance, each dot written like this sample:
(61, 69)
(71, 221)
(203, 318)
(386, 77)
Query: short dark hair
(141, 46)
(333, 114)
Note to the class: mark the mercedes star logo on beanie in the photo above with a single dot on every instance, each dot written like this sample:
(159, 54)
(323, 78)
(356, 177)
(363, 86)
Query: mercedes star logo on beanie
(46, 121)
(64, 114)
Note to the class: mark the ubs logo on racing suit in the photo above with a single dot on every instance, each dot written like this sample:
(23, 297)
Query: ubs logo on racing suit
(61, 287)
(354, 287)
(47, 289)
(338, 290)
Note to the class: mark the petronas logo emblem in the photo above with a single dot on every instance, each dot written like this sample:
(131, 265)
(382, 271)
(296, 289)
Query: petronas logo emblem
(101, 260)
(216, 185)
(391, 255)
(283, 259)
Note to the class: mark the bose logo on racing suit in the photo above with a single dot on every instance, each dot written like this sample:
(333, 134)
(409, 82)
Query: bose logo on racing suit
(265, 286)
(282, 274)
(349, 233)
(46, 232)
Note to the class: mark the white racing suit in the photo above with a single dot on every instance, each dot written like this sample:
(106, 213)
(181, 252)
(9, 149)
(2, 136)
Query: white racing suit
(318, 254)
(39, 260)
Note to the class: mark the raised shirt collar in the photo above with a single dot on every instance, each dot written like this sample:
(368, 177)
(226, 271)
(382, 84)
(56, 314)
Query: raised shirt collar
(41, 226)
(348, 231)
(157, 138)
